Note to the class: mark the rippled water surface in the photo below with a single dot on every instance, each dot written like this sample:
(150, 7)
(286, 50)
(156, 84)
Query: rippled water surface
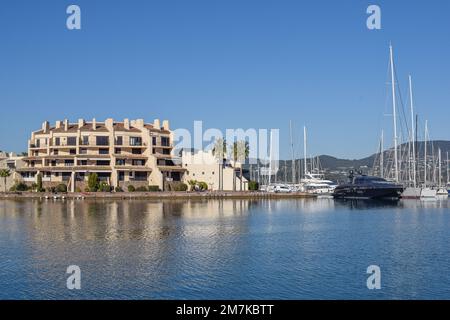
(230, 249)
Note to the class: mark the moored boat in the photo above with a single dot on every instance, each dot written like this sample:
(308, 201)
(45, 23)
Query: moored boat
(367, 187)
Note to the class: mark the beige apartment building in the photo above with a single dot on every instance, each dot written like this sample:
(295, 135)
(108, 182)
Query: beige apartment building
(120, 153)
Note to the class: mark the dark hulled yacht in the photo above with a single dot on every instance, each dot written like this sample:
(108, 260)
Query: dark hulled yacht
(367, 187)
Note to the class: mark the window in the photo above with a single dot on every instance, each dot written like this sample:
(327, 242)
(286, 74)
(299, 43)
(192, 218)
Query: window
(154, 141)
(121, 176)
(83, 151)
(57, 141)
(135, 141)
(166, 151)
(68, 163)
(73, 151)
(103, 151)
(153, 150)
(72, 141)
(103, 162)
(117, 151)
(66, 176)
(165, 141)
(85, 140)
(83, 162)
(55, 152)
(119, 141)
(102, 140)
(138, 162)
(136, 151)
(53, 163)
(120, 162)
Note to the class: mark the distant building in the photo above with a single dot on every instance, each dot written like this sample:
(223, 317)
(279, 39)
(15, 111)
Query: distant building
(12, 162)
(120, 153)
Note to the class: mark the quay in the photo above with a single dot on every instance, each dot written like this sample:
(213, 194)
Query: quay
(155, 195)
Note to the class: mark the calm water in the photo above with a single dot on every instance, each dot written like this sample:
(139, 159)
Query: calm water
(232, 249)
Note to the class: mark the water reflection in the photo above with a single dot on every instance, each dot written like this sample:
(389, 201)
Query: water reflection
(221, 248)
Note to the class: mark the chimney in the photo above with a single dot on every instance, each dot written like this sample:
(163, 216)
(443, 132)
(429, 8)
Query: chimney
(94, 124)
(45, 126)
(81, 123)
(166, 125)
(109, 124)
(140, 123)
(66, 124)
(58, 124)
(126, 124)
(156, 124)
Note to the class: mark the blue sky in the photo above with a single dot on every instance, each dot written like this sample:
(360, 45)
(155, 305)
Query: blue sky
(232, 64)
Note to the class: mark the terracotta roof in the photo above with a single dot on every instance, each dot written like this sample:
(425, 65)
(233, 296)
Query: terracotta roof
(100, 127)
(70, 128)
(119, 126)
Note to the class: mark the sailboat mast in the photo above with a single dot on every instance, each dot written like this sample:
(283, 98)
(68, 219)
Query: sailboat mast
(382, 154)
(413, 143)
(425, 158)
(270, 160)
(394, 113)
(292, 153)
(304, 149)
(448, 178)
(439, 165)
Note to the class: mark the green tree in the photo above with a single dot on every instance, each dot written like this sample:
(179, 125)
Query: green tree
(5, 173)
(219, 151)
(39, 183)
(93, 182)
(241, 151)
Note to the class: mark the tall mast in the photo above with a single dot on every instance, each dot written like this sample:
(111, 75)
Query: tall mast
(270, 159)
(304, 149)
(425, 159)
(440, 170)
(382, 155)
(292, 153)
(448, 179)
(394, 112)
(413, 143)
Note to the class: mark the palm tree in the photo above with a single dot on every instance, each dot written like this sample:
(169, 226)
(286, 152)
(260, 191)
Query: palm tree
(241, 151)
(4, 173)
(219, 151)
(192, 183)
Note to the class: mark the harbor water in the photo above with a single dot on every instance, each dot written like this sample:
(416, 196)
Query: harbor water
(224, 249)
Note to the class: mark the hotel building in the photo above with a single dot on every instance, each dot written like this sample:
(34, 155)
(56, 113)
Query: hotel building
(120, 153)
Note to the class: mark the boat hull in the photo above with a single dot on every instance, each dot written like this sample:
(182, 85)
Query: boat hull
(361, 192)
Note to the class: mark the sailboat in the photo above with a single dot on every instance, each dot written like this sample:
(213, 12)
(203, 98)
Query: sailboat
(426, 192)
(412, 192)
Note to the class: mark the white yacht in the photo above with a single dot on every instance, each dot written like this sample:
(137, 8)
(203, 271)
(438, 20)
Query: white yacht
(316, 184)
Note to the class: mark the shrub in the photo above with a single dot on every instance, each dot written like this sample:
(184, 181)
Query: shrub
(253, 185)
(104, 187)
(78, 189)
(87, 189)
(19, 186)
(141, 189)
(131, 188)
(153, 188)
(202, 185)
(180, 186)
(118, 189)
(61, 188)
(93, 182)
